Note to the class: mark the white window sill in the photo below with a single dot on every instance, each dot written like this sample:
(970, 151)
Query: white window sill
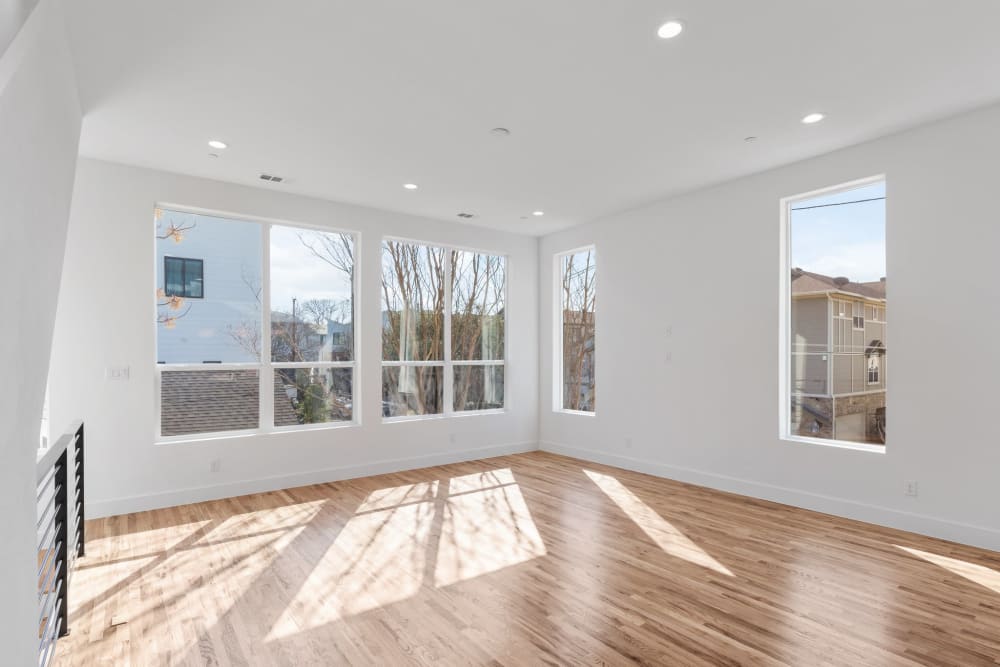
(581, 413)
(836, 444)
(235, 435)
(420, 418)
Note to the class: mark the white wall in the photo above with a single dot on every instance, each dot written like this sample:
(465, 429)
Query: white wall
(39, 134)
(106, 318)
(706, 267)
(13, 14)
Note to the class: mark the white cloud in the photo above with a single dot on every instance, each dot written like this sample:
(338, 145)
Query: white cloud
(297, 273)
(861, 262)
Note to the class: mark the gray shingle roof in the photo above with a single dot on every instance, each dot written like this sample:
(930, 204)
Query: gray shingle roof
(206, 401)
(806, 281)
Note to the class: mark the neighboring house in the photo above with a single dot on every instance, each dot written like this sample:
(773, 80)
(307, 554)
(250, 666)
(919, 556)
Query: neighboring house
(309, 338)
(336, 341)
(214, 269)
(838, 373)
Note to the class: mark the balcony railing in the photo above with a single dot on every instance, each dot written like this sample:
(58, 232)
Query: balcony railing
(60, 530)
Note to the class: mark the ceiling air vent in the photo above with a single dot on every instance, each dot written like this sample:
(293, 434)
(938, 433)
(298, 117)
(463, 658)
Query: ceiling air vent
(272, 178)
(466, 215)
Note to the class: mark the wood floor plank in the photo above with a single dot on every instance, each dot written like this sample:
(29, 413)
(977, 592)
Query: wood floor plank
(533, 559)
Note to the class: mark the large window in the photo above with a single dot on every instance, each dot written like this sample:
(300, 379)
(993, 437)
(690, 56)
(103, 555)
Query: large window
(575, 355)
(835, 316)
(443, 330)
(271, 345)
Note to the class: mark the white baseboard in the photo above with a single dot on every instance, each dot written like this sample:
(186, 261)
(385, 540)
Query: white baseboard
(978, 536)
(129, 504)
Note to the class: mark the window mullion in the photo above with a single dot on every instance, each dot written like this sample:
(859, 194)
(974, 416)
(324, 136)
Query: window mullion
(266, 372)
(449, 375)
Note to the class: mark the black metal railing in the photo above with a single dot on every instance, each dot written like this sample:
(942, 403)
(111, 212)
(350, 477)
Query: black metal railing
(60, 526)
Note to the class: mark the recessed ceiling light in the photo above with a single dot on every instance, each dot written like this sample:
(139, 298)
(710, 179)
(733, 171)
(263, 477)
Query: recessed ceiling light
(749, 140)
(213, 155)
(670, 29)
(538, 214)
(814, 117)
(500, 132)
(410, 186)
(215, 143)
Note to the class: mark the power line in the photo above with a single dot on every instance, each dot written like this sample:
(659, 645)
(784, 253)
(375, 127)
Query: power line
(842, 203)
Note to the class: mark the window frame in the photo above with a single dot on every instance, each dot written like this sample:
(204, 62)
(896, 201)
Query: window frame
(557, 330)
(265, 366)
(447, 363)
(855, 307)
(877, 358)
(785, 266)
(184, 262)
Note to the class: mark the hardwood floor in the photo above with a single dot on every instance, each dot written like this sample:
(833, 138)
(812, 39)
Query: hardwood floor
(523, 560)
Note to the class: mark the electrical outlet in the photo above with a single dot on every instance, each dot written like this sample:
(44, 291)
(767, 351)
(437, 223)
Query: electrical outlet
(452, 438)
(910, 488)
(628, 443)
(117, 373)
(215, 465)
(668, 357)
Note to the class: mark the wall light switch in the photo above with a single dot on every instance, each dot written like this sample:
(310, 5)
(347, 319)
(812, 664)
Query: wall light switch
(117, 373)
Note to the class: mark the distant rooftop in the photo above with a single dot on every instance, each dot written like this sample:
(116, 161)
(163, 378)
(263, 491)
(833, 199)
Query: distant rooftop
(804, 282)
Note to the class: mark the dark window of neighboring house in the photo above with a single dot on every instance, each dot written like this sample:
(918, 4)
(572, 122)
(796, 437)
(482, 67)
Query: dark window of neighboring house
(184, 277)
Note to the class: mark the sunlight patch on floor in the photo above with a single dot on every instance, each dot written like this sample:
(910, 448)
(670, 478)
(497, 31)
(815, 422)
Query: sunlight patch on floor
(485, 531)
(404, 537)
(658, 529)
(478, 481)
(980, 574)
(377, 558)
(229, 555)
(399, 495)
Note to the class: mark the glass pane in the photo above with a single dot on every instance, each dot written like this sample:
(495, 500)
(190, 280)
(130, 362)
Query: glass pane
(478, 388)
(578, 302)
(174, 280)
(412, 302)
(477, 321)
(312, 295)
(225, 326)
(837, 382)
(312, 395)
(412, 390)
(193, 281)
(208, 401)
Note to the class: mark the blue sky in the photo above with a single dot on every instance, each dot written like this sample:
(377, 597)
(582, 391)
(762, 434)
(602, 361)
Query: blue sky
(847, 240)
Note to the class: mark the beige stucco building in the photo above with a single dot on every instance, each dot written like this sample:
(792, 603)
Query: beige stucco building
(838, 365)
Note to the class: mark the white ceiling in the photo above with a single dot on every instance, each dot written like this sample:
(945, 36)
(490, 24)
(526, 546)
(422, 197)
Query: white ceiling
(350, 99)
